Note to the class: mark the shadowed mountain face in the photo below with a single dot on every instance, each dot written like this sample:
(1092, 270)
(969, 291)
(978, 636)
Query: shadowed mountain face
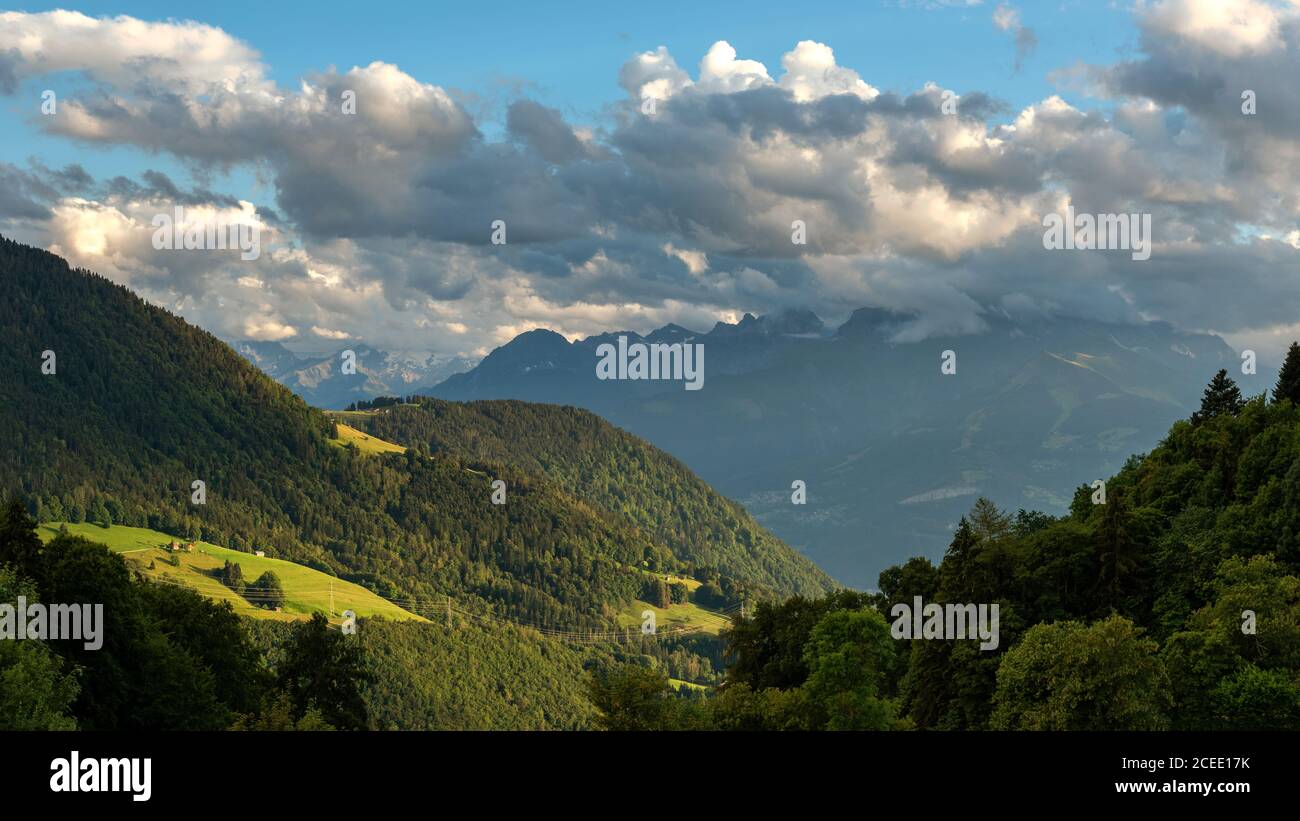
(891, 449)
(319, 378)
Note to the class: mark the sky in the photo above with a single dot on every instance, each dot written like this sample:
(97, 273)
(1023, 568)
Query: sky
(648, 163)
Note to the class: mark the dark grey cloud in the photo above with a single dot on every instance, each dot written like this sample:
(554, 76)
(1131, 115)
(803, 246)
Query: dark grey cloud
(22, 195)
(545, 131)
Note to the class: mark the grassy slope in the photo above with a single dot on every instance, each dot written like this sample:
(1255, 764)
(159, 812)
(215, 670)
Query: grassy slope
(364, 442)
(306, 590)
(678, 684)
(687, 614)
(676, 615)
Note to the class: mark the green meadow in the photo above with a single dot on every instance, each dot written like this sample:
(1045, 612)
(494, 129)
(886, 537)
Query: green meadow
(364, 442)
(306, 590)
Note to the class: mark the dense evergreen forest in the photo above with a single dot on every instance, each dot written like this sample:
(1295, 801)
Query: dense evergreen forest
(1171, 603)
(141, 405)
(609, 469)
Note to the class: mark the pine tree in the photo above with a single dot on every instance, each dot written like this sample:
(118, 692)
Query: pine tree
(322, 669)
(1115, 548)
(987, 521)
(1288, 379)
(99, 514)
(1222, 396)
(955, 569)
(19, 544)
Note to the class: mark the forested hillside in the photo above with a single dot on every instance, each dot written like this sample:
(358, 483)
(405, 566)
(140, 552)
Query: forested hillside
(609, 469)
(1170, 602)
(168, 658)
(469, 677)
(891, 449)
(135, 405)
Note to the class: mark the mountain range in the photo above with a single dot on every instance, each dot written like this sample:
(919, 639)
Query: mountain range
(319, 379)
(890, 448)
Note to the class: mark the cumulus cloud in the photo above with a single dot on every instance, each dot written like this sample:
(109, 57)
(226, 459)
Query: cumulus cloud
(682, 204)
(1232, 28)
(811, 73)
(720, 71)
(184, 57)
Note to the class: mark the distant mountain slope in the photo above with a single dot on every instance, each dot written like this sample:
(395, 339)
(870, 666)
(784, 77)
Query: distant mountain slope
(320, 381)
(892, 450)
(141, 405)
(609, 469)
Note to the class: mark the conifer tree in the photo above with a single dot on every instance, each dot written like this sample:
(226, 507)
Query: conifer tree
(1222, 396)
(19, 544)
(1115, 548)
(1288, 379)
(955, 569)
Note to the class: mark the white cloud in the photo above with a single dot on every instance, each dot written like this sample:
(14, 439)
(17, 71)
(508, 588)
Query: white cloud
(381, 223)
(697, 262)
(1229, 27)
(811, 73)
(653, 75)
(267, 328)
(185, 56)
(1006, 18)
(721, 72)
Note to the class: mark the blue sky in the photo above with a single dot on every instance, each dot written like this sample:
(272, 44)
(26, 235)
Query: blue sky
(514, 48)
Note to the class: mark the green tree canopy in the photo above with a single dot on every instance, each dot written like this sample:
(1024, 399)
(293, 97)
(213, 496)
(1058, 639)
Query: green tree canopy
(1072, 676)
(1288, 379)
(267, 591)
(324, 669)
(37, 688)
(1222, 397)
(849, 656)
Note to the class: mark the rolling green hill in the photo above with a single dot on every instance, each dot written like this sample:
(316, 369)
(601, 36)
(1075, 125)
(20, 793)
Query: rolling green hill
(306, 590)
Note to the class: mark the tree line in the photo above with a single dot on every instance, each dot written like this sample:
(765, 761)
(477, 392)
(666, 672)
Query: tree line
(1175, 604)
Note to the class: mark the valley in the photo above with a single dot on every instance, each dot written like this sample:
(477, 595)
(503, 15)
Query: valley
(892, 449)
